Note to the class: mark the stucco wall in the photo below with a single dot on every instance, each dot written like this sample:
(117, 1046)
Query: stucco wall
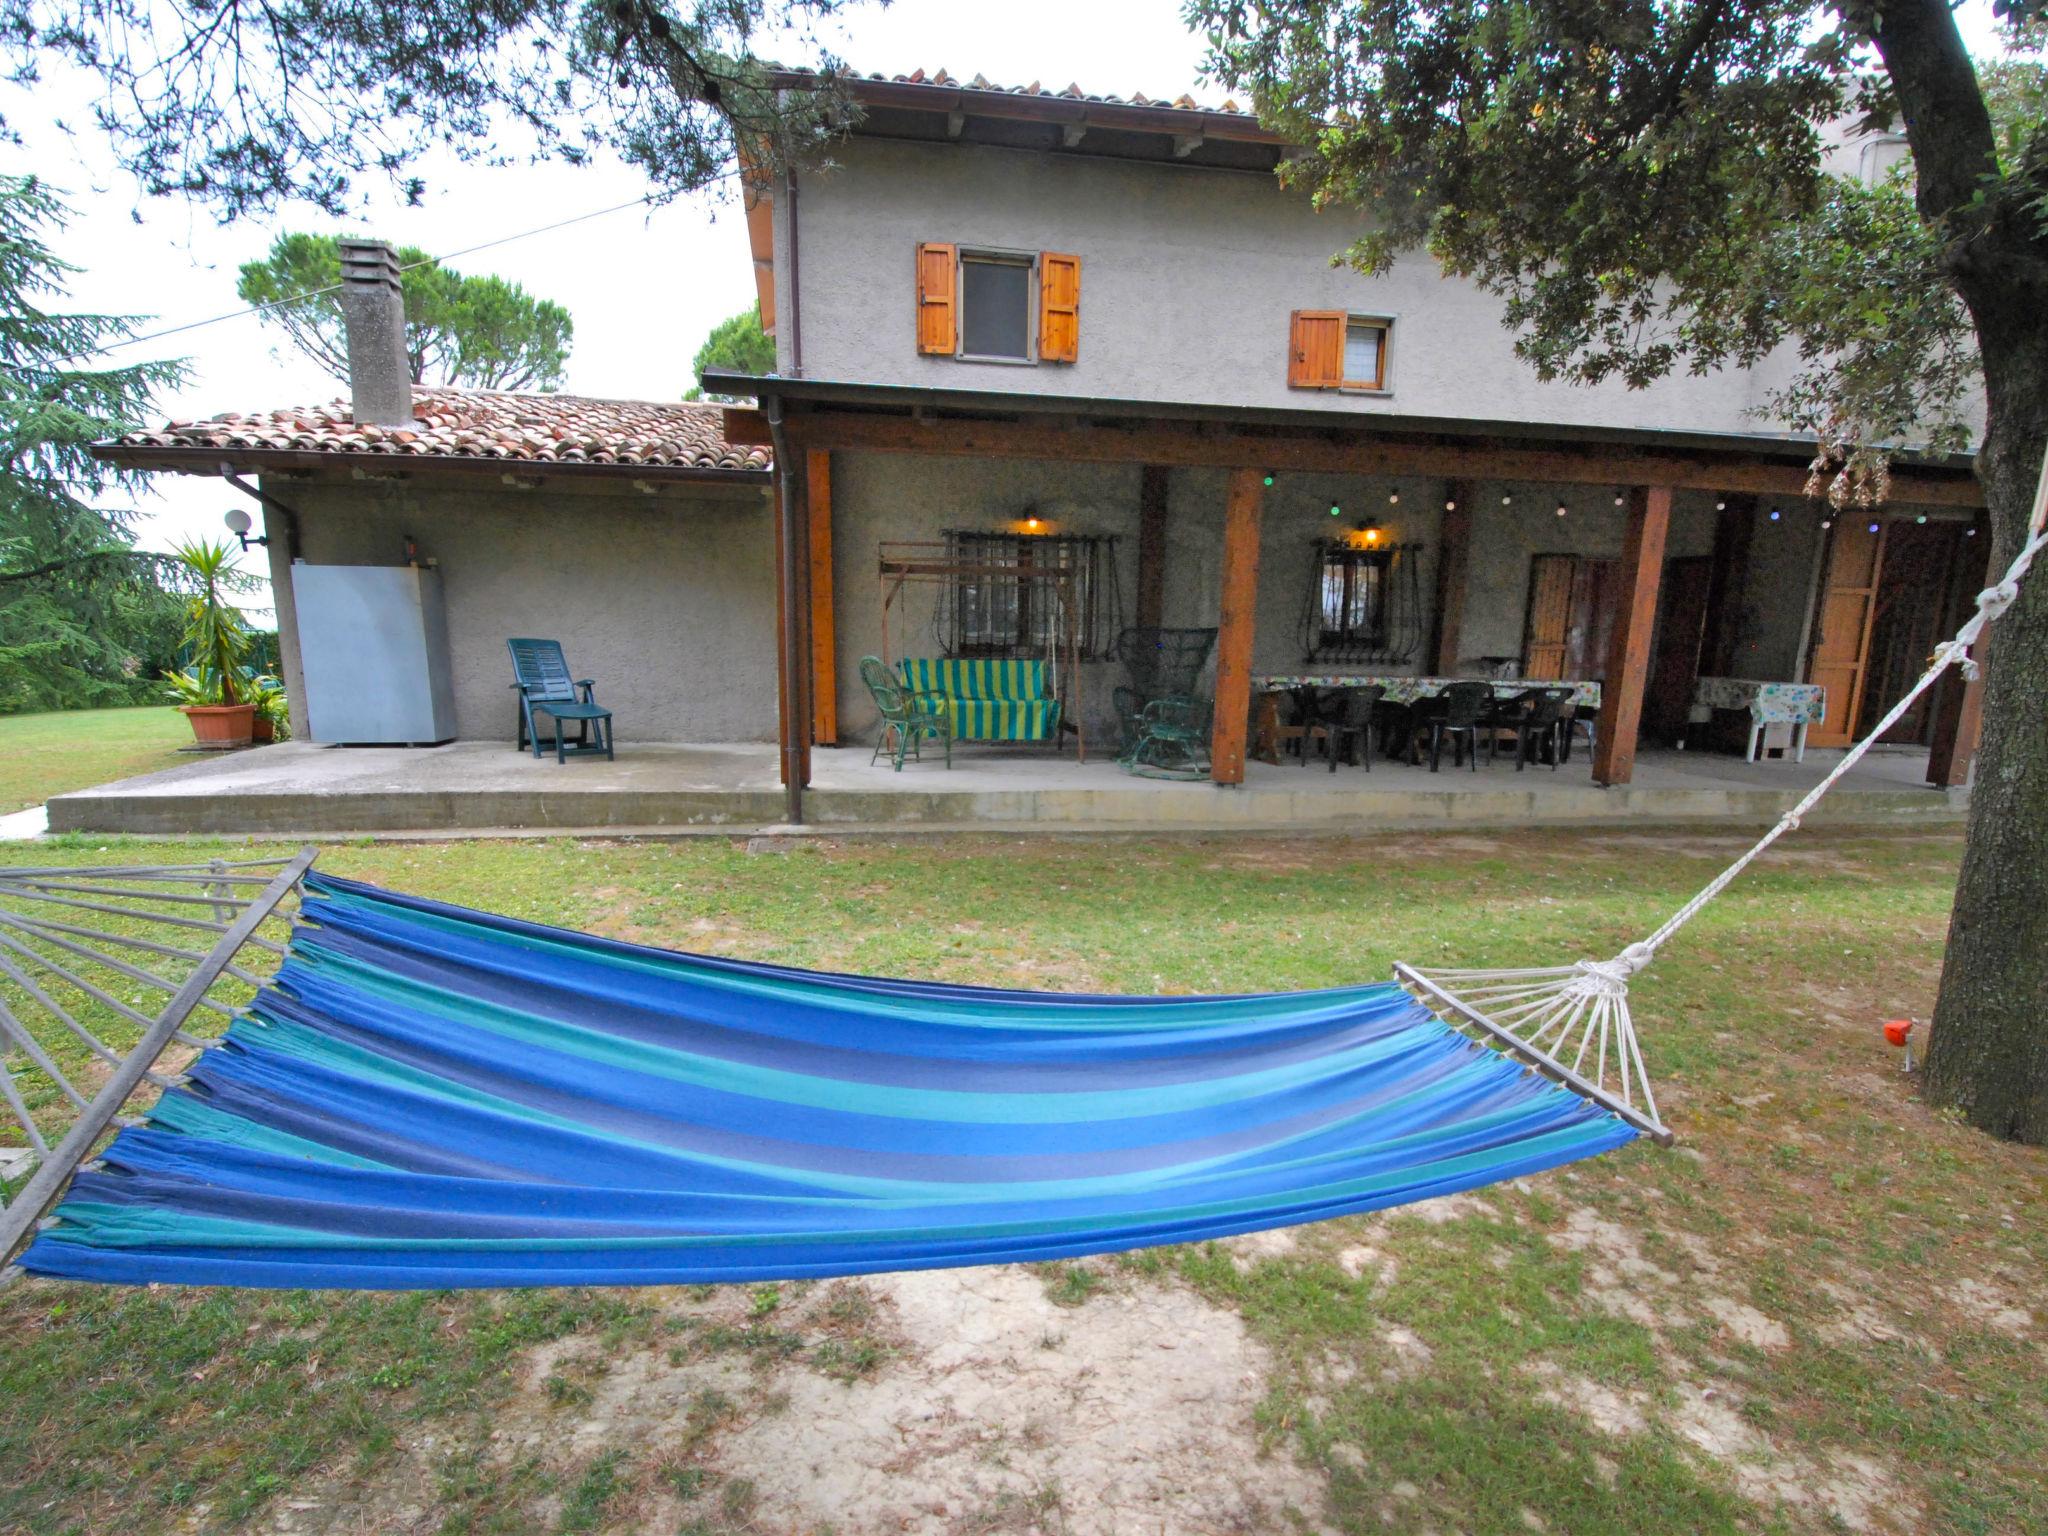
(667, 601)
(1188, 278)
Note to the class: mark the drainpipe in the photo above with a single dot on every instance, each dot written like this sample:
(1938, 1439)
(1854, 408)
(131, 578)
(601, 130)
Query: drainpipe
(794, 721)
(796, 307)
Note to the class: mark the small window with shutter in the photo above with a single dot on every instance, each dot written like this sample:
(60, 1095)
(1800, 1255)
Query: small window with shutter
(996, 306)
(1330, 349)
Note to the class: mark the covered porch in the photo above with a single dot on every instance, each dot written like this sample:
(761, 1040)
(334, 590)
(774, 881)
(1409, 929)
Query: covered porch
(1216, 507)
(673, 789)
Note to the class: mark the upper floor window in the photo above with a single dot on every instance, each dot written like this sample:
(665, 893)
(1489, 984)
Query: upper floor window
(998, 306)
(1330, 349)
(995, 306)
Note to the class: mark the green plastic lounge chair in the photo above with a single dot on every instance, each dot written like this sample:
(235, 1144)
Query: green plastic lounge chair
(545, 687)
(909, 718)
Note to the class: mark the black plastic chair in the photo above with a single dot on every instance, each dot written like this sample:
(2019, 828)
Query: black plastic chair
(1545, 718)
(1357, 729)
(1465, 706)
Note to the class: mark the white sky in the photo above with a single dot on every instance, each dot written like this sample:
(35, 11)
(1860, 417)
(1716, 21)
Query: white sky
(643, 286)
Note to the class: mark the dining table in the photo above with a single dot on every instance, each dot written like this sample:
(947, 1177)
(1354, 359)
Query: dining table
(1398, 689)
(1798, 705)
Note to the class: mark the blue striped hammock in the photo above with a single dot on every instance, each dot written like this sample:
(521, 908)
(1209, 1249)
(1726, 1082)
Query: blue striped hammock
(428, 1097)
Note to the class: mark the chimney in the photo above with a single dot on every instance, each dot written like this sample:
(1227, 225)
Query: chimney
(373, 310)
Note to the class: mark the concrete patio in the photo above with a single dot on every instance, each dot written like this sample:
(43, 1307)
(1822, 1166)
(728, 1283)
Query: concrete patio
(484, 786)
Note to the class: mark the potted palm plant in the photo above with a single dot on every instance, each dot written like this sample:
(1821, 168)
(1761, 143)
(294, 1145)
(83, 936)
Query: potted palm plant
(216, 640)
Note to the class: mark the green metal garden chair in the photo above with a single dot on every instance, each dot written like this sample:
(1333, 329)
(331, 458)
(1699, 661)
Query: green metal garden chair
(1170, 741)
(547, 687)
(908, 717)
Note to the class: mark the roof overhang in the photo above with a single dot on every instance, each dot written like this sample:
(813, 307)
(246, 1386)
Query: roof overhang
(828, 414)
(950, 110)
(473, 470)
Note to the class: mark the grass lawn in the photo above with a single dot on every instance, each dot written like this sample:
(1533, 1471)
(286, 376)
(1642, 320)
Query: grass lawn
(48, 754)
(1820, 1312)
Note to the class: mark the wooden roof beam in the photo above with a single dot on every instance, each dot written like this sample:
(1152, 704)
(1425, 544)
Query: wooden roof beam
(1334, 451)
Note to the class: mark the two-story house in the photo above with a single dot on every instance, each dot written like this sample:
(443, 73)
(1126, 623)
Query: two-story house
(1044, 327)
(1052, 368)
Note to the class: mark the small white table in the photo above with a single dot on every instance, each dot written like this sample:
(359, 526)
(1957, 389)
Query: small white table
(1798, 705)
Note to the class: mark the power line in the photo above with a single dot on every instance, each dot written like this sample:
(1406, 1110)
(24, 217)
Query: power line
(431, 261)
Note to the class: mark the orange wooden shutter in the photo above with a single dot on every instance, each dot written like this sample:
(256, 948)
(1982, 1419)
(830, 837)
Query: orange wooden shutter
(1059, 307)
(938, 312)
(1315, 349)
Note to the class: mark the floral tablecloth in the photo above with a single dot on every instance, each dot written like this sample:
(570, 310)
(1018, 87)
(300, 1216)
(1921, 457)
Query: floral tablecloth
(1767, 703)
(1406, 690)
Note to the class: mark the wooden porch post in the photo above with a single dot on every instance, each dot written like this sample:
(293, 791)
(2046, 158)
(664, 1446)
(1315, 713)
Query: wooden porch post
(1628, 656)
(1153, 481)
(1234, 625)
(775, 498)
(792, 598)
(1453, 565)
(824, 639)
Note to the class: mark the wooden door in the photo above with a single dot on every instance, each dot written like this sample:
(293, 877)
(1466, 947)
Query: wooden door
(1841, 630)
(1546, 630)
(1675, 653)
(1914, 611)
(1596, 594)
(1570, 619)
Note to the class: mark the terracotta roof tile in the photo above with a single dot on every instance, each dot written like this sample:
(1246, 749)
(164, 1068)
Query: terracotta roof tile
(939, 79)
(485, 424)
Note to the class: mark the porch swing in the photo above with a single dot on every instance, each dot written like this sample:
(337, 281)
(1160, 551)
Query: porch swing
(992, 697)
(423, 1096)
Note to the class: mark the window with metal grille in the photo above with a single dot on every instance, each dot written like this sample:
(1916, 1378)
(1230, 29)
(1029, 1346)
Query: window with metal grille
(1364, 605)
(1003, 602)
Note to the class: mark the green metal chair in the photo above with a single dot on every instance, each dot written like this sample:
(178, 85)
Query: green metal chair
(1171, 740)
(908, 717)
(547, 687)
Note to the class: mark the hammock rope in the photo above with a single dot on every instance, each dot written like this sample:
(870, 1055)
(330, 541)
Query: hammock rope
(1541, 1013)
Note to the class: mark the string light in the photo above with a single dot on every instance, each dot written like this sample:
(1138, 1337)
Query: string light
(1826, 523)
(1720, 506)
(1452, 506)
(1394, 498)
(1619, 498)
(1560, 509)
(1335, 510)
(1873, 527)
(1921, 518)
(1269, 479)
(1776, 514)
(1507, 501)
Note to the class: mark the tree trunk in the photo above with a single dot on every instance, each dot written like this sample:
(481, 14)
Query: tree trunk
(1988, 1053)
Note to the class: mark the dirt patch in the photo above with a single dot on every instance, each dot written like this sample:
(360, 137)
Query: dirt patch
(1990, 1306)
(983, 1406)
(1131, 1412)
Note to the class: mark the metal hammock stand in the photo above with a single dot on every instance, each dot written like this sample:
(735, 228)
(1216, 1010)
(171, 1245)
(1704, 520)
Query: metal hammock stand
(932, 562)
(146, 923)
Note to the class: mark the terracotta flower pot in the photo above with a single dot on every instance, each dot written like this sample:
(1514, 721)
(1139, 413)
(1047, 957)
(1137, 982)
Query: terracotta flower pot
(265, 729)
(222, 726)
